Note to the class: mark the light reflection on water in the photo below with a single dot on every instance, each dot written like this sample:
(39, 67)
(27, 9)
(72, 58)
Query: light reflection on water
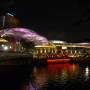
(51, 77)
(59, 76)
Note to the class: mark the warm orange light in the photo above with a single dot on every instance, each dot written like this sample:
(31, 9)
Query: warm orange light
(3, 40)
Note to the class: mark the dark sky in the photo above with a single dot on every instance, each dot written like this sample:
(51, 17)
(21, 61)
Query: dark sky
(63, 20)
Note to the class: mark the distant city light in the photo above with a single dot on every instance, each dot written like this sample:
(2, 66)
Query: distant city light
(2, 45)
(46, 46)
(86, 73)
(3, 40)
(64, 47)
(59, 42)
(87, 69)
(83, 43)
(10, 47)
(5, 48)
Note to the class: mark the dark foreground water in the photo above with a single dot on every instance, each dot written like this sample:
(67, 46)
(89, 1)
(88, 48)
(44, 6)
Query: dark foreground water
(51, 77)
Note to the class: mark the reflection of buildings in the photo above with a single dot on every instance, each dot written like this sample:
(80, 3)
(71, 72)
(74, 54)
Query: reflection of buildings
(87, 73)
(62, 72)
(39, 79)
(58, 75)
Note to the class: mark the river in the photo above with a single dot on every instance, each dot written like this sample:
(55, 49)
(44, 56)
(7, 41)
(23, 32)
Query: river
(64, 76)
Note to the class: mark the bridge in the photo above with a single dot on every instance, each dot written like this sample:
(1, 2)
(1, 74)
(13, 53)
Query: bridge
(16, 36)
(41, 47)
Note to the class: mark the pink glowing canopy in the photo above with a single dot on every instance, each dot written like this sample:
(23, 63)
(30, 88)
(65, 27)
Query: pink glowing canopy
(26, 34)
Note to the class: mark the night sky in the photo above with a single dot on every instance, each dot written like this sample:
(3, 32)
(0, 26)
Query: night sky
(63, 20)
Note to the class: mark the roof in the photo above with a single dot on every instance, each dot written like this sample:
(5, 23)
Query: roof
(3, 40)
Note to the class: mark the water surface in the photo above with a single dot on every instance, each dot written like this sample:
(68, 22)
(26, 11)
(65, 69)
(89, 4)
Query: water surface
(64, 76)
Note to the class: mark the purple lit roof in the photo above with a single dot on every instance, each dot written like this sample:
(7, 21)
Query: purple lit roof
(26, 34)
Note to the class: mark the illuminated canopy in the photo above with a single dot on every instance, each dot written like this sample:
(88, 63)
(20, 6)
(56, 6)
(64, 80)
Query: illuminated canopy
(26, 34)
(3, 40)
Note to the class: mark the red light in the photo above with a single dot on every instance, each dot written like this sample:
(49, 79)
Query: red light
(66, 66)
(58, 60)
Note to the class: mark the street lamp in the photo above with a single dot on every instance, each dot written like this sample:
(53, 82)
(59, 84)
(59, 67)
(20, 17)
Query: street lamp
(9, 14)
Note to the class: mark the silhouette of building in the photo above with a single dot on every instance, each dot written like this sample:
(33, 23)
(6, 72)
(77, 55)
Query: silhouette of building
(8, 21)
